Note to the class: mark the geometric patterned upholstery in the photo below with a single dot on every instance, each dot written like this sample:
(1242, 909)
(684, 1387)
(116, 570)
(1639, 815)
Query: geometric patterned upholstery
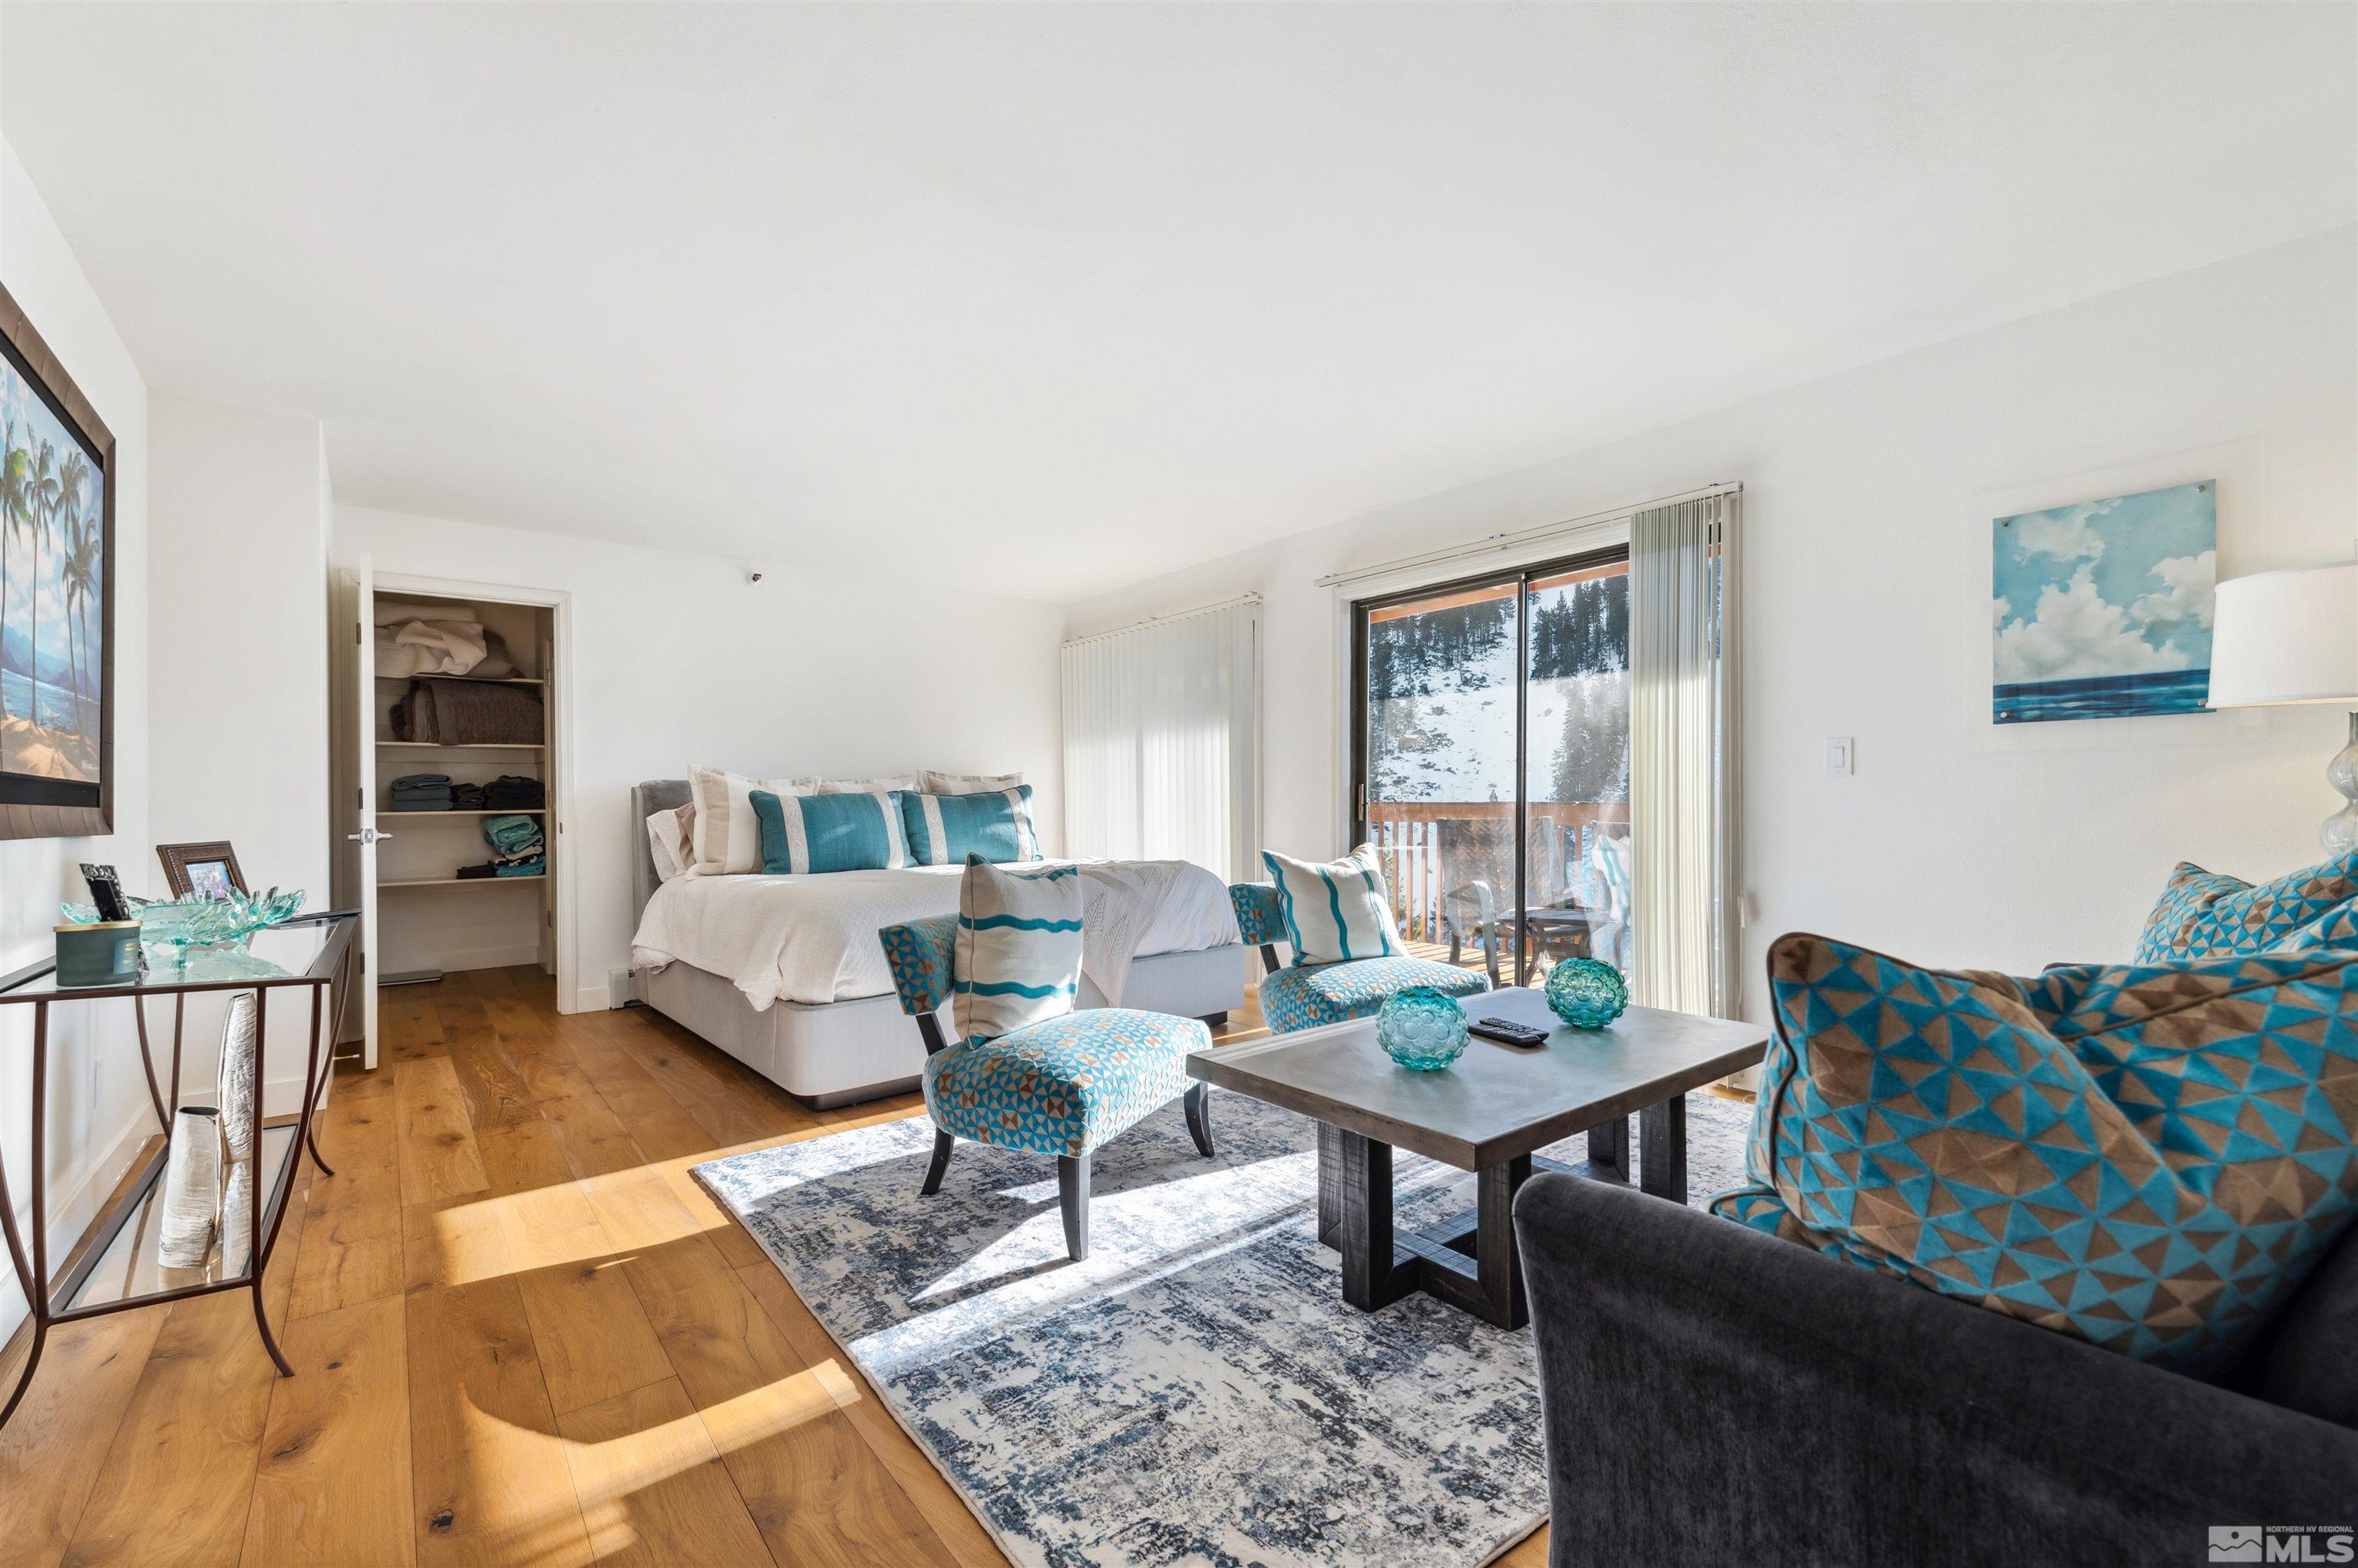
(918, 954)
(2150, 1158)
(1295, 999)
(1064, 1085)
(2205, 914)
(2338, 927)
(1258, 920)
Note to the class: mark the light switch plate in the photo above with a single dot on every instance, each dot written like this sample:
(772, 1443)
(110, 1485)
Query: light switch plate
(1841, 757)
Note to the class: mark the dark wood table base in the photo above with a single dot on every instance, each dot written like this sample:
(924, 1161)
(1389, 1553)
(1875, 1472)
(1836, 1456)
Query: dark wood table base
(1469, 1260)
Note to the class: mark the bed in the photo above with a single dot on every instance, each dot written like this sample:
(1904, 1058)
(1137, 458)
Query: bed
(786, 975)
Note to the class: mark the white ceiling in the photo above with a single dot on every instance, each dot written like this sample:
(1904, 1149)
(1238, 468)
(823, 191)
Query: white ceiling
(1048, 298)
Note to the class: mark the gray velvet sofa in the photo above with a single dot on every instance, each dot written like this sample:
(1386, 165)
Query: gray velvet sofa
(1715, 1395)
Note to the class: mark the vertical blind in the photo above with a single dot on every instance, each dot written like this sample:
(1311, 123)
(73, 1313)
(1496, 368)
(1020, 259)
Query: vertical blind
(1161, 741)
(1683, 814)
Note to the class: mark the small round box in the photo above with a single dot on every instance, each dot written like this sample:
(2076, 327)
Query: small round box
(104, 953)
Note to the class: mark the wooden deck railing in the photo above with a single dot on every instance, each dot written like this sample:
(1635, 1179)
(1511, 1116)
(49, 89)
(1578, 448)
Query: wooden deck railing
(1432, 850)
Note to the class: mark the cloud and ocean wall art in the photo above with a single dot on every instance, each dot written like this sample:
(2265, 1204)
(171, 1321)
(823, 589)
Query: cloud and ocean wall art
(2102, 609)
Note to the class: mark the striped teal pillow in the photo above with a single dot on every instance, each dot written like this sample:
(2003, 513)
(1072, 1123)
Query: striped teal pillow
(804, 833)
(944, 829)
(1334, 912)
(1017, 960)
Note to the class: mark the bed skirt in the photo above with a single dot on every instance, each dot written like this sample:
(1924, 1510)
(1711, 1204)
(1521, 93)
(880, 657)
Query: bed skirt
(840, 1052)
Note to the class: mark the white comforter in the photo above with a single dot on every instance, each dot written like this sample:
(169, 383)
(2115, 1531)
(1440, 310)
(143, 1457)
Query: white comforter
(813, 939)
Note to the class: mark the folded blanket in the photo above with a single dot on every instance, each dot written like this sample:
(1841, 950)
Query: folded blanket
(468, 713)
(422, 647)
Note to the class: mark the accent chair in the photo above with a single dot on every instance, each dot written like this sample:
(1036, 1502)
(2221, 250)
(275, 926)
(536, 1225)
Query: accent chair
(1304, 996)
(1063, 1086)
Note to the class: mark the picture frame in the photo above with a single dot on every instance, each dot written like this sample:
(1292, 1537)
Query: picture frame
(209, 869)
(57, 549)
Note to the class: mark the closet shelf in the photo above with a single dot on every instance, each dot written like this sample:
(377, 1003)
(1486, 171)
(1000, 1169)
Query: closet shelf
(460, 881)
(479, 680)
(384, 811)
(463, 745)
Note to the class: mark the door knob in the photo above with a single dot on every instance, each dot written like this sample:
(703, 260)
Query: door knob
(367, 835)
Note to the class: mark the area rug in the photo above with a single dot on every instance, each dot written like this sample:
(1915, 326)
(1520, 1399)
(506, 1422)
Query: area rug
(1196, 1391)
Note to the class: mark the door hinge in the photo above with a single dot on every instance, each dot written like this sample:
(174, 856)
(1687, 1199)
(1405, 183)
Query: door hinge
(356, 633)
(360, 800)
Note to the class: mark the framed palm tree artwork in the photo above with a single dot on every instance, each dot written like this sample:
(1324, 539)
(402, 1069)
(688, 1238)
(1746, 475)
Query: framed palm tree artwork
(57, 596)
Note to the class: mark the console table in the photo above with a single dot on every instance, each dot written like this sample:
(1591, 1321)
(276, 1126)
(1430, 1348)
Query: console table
(114, 1269)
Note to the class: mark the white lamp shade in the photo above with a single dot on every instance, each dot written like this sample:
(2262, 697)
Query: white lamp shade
(2287, 636)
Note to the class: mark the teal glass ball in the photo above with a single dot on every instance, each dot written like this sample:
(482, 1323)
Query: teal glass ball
(1586, 993)
(1421, 1029)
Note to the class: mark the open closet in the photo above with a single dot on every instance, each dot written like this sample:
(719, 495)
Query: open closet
(448, 799)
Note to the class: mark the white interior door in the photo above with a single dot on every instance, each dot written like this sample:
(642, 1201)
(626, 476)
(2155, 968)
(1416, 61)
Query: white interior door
(365, 780)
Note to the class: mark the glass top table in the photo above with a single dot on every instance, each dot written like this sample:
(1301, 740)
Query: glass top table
(304, 951)
(115, 1266)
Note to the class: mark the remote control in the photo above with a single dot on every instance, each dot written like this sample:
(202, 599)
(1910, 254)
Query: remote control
(1507, 1032)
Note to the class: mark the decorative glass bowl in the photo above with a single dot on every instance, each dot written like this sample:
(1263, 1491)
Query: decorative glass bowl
(1586, 993)
(1421, 1029)
(201, 922)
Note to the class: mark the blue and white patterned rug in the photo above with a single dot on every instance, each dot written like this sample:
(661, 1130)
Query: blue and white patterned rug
(1196, 1391)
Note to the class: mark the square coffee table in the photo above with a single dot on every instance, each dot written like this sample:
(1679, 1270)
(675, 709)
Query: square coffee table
(1486, 1113)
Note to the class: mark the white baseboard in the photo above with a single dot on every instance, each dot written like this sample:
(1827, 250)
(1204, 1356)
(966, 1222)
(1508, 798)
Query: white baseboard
(459, 959)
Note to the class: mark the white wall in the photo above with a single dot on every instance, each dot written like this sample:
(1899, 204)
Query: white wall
(1868, 502)
(676, 659)
(235, 676)
(98, 1100)
(237, 684)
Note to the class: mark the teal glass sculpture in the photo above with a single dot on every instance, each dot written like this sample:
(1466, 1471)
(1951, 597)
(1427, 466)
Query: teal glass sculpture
(198, 920)
(1586, 993)
(1421, 1029)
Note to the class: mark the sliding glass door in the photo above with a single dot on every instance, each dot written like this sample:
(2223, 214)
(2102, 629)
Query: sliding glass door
(1490, 752)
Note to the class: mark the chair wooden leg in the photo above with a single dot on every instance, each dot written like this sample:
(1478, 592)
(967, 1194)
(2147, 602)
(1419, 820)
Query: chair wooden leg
(1073, 1197)
(943, 1144)
(1199, 1118)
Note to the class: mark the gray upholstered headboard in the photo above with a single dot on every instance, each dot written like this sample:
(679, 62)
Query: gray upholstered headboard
(647, 799)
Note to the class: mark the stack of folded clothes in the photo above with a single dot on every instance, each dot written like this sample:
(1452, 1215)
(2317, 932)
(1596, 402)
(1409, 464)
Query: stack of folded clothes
(468, 798)
(421, 792)
(516, 846)
(513, 792)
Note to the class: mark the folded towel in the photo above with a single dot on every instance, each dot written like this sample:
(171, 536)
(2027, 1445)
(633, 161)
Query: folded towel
(511, 836)
(513, 792)
(466, 797)
(468, 713)
(408, 779)
(535, 867)
(484, 872)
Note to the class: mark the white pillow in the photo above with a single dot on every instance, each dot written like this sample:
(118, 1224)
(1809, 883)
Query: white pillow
(1336, 910)
(672, 841)
(966, 784)
(1017, 958)
(726, 837)
(855, 786)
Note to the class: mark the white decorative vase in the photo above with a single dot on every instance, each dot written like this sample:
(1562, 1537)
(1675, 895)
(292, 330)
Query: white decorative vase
(235, 1088)
(237, 1218)
(191, 1189)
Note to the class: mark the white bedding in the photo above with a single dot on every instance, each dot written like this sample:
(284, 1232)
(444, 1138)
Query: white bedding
(813, 939)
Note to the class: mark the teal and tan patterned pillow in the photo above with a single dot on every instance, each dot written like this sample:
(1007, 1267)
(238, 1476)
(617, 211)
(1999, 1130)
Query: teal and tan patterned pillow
(2150, 1158)
(2206, 914)
(1017, 958)
(2338, 927)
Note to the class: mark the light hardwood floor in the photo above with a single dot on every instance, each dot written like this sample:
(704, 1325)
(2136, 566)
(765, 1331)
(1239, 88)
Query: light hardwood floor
(522, 1334)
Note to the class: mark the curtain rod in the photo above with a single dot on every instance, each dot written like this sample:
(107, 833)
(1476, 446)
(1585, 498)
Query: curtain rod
(1510, 538)
(1241, 598)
